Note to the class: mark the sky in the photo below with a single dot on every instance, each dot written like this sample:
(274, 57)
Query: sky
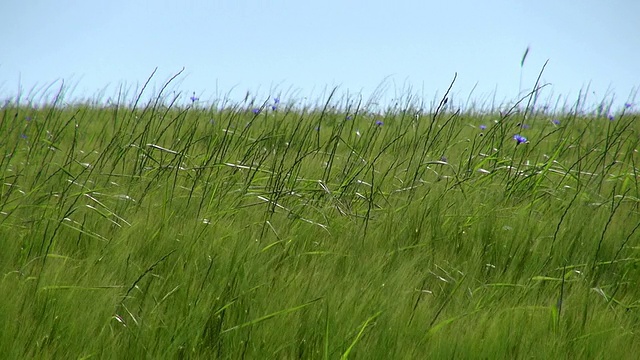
(300, 50)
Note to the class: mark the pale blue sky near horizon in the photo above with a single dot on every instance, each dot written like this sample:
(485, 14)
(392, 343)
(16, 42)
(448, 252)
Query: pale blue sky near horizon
(300, 49)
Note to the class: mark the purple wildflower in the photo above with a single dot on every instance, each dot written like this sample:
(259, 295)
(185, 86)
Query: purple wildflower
(28, 118)
(556, 122)
(23, 136)
(274, 108)
(348, 117)
(256, 111)
(520, 139)
(483, 127)
(611, 117)
(379, 123)
(193, 97)
(627, 105)
(276, 101)
(524, 126)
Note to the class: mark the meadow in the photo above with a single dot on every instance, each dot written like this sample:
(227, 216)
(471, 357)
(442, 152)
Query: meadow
(275, 230)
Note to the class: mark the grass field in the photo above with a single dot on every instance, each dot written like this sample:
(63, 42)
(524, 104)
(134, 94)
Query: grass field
(279, 231)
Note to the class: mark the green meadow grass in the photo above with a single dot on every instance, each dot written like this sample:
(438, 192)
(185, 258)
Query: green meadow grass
(166, 231)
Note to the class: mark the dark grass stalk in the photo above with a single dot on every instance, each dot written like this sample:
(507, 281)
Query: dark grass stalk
(332, 147)
(428, 137)
(533, 95)
(595, 274)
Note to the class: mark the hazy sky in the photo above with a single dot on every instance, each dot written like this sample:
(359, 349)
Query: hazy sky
(299, 48)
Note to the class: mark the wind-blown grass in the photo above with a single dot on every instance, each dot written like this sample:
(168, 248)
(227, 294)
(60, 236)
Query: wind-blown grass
(167, 231)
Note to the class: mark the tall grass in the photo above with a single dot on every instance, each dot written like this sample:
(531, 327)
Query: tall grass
(159, 230)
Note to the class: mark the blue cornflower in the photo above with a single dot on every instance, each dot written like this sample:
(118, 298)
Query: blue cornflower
(276, 100)
(611, 117)
(519, 138)
(627, 105)
(256, 111)
(483, 127)
(274, 108)
(379, 123)
(348, 117)
(23, 136)
(194, 98)
(556, 122)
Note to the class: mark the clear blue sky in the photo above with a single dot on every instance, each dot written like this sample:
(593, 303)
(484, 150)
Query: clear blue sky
(298, 48)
